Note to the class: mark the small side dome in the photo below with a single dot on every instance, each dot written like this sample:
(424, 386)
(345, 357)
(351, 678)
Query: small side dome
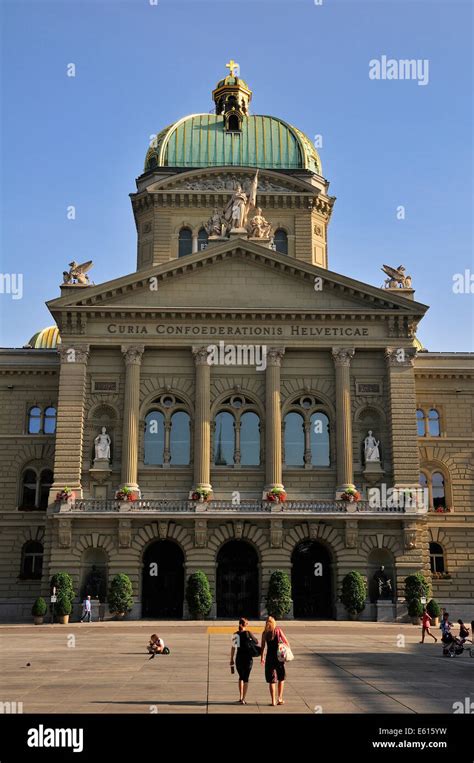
(418, 345)
(46, 339)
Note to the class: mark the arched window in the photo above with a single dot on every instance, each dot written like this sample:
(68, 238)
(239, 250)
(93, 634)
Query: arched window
(35, 489)
(202, 240)
(250, 439)
(307, 434)
(34, 420)
(167, 438)
(233, 123)
(28, 492)
(237, 433)
(185, 245)
(281, 241)
(433, 423)
(294, 439)
(49, 425)
(45, 484)
(319, 439)
(31, 560)
(224, 439)
(438, 491)
(154, 438)
(180, 439)
(437, 560)
(420, 422)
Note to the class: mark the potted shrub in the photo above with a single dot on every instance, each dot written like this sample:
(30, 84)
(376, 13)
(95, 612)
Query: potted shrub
(416, 588)
(434, 611)
(120, 595)
(62, 582)
(279, 594)
(39, 610)
(63, 608)
(201, 494)
(415, 610)
(276, 495)
(354, 594)
(198, 595)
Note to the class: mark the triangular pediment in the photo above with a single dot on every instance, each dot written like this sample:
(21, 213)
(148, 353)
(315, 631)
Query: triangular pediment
(237, 275)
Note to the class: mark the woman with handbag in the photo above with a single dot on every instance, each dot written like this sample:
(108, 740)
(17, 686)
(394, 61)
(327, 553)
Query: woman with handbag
(246, 646)
(276, 644)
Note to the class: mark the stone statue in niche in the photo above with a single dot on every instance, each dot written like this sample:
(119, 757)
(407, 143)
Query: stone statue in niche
(384, 584)
(102, 446)
(371, 448)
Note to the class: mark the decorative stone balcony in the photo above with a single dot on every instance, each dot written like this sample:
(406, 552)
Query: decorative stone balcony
(221, 508)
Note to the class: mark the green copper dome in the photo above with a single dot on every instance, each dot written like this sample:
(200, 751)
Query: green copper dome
(201, 140)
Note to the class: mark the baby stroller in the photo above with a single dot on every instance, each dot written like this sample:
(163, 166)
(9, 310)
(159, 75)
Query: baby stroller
(453, 646)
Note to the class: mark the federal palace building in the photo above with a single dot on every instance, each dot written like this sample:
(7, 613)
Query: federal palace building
(161, 414)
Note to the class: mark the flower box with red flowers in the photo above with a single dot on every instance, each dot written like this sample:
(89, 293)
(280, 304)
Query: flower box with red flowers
(351, 495)
(126, 494)
(276, 495)
(66, 494)
(201, 494)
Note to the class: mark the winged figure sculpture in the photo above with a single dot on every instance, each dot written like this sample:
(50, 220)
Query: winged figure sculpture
(77, 274)
(397, 279)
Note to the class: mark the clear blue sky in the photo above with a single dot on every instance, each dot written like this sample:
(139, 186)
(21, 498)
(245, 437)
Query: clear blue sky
(82, 141)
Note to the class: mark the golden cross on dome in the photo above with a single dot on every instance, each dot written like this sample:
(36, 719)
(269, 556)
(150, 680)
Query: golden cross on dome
(233, 65)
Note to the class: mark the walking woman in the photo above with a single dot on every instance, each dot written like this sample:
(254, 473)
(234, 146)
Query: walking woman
(246, 646)
(274, 669)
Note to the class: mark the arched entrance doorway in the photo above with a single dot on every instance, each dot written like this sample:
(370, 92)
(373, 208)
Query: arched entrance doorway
(237, 580)
(311, 581)
(163, 580)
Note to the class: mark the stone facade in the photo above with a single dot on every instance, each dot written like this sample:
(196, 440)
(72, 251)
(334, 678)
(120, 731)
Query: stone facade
(332, 347)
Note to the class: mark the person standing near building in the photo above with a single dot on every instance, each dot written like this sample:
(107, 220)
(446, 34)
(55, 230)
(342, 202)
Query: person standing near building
(245, 644)
(86, 609)
(274, 669)
(425, 627)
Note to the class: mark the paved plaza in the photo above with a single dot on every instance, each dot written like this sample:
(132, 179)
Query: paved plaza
(338, 667)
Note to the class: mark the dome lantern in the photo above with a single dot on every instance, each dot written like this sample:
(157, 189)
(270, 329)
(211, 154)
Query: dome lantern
(232, 97)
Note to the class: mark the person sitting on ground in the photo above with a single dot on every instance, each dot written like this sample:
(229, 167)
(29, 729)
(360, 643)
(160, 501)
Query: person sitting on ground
(425, 627)
(446, 626)
(156, 645)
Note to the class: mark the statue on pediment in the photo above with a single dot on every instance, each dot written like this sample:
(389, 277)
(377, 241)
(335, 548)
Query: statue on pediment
(238, 208)
(259, 227)
(77, 274)
(216, 225)
(397, 279)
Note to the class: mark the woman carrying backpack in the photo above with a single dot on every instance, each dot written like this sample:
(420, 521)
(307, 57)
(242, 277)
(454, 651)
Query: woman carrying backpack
(246, 646)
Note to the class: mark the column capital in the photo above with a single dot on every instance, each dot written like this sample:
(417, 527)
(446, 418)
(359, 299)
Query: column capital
(133, 354)
(73, 353)
(200, 354)
(342, 356)
(275, 355)
(400, 357)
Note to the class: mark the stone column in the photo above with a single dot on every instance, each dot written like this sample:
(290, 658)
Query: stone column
(342, 357)
(195, 243)
(273, 447)
(70, 418)
(403, 429)
(130, 434)
(202, 420)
